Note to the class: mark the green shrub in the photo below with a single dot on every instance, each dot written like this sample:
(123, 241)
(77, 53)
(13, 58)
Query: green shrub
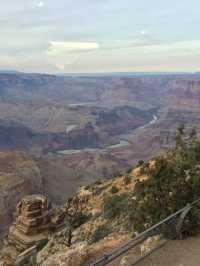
(99, 233)
(140, 163)
(79, 219)
(114, 190)
(172, 183)
(115, 205)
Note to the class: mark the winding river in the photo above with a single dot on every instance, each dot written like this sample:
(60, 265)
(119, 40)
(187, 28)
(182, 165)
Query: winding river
(124, 140)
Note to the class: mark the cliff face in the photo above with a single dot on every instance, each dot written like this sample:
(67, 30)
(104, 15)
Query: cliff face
(185, 94)
(19, 176)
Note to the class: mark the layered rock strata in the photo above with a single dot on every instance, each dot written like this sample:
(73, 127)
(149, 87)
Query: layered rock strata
(35, 219)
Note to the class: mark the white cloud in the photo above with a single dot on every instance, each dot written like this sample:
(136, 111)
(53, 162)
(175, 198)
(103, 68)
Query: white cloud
(63, 54)
(40, 4)
(60, 67)
(62, 48)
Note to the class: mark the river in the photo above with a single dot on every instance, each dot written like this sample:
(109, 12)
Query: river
(124, 140)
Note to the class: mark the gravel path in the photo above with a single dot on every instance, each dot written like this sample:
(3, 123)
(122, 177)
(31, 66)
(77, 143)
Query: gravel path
(173, 253)
(176, 253)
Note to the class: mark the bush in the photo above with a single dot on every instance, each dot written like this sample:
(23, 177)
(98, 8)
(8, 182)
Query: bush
(97, 190)
(172, 183)
(140, 163)
(98, 182)
(129, 170)
(117, 174)
(115, 205)
(114, 190)
(42, 244)
(127, 179)
(79, 219)
(99, 233)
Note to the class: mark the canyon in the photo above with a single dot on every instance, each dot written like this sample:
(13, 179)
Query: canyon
(60, 132)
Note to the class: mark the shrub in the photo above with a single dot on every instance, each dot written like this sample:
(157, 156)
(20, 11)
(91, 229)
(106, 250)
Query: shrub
(79, 219)
(97, 190)
(42, 244)
(117, 174)
(140, 163)
(99, 233)
(129, 170)
(87, 187)
(115, 205)
(114, 190)
(98, 182)
(172, 183)
(127, 179)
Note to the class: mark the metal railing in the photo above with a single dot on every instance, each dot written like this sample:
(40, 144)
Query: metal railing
(140, 238)
(28, 255)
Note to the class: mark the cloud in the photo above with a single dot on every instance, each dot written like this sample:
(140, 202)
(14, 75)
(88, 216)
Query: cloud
(64, 47)
(63, 54)
(60, 67)
(129, 44)
(178, 48)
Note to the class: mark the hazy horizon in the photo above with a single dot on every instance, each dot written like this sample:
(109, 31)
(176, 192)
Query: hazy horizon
(100, 36)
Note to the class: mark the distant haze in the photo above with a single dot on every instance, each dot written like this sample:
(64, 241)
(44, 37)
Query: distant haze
(66, 36)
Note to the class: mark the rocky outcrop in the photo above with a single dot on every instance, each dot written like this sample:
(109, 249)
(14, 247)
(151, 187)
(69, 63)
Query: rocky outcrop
(19, 177)
(79, 137)
(35, 219)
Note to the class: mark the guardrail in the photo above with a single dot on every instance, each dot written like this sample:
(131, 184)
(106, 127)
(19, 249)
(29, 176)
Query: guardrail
(122, 249)
(27, 255)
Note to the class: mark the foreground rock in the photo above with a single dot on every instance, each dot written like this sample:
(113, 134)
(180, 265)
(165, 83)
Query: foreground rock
(35, 219)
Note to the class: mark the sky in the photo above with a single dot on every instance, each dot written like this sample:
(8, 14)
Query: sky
(65, 36)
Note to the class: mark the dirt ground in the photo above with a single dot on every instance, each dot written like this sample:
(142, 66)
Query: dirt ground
(173, 253)
(176, 253)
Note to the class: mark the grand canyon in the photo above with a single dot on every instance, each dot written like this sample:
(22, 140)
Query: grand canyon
(60, 132)
(99, 133)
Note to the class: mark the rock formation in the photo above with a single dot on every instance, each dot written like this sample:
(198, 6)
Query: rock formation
(35, 219)
(19, 176)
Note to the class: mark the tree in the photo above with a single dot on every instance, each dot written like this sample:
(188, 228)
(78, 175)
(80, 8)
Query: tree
(172, 183)
(193, 133)
(181, 129)
(74, 213)
(180, 136)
